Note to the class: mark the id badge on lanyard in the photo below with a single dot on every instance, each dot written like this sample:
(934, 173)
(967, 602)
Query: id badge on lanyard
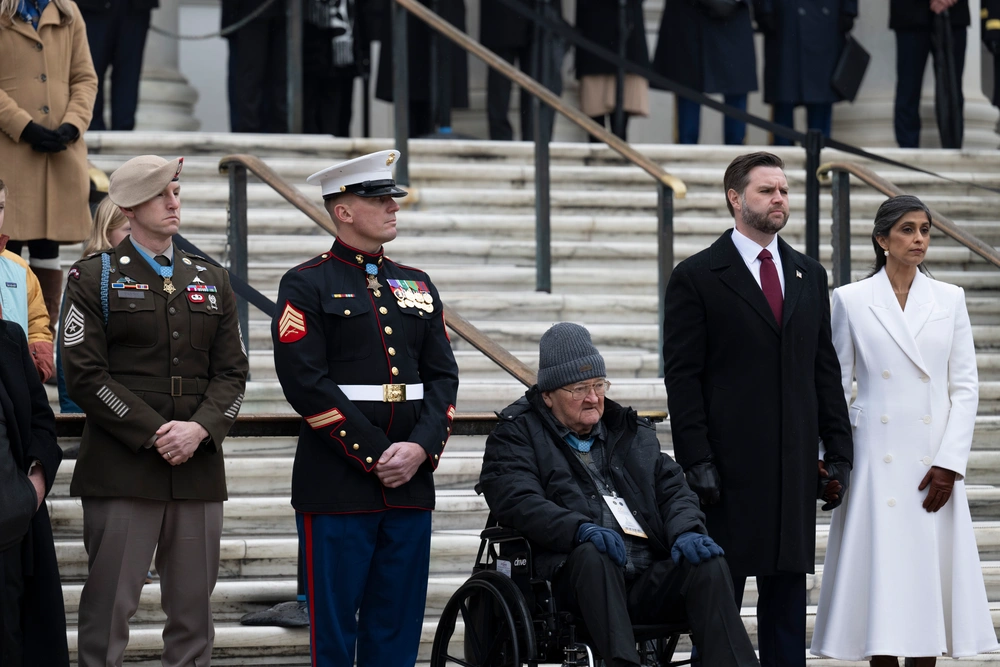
(623, 515)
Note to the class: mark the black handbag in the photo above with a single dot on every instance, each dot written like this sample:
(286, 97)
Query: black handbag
(850, 69)
(720, 9)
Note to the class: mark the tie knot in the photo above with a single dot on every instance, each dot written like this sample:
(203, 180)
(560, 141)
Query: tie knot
(764, 254)
(162, 260)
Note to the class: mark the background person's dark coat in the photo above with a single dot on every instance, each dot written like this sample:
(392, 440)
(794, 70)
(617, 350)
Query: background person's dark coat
(501, 28)
(535, 484)
(709, 55)
(597, 20)
(755, 398)
(31, 429)
(801, 54)
(916, 14)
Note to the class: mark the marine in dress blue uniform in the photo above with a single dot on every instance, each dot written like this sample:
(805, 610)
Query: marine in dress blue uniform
(361, 352)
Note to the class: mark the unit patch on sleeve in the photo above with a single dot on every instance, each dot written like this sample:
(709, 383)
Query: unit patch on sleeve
(292, 325)
(73, 327)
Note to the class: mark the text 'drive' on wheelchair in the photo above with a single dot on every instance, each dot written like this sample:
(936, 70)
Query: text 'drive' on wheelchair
(505, 616)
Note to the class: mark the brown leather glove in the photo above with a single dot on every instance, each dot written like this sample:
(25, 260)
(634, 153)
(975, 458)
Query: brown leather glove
(941, 482)
(41, 354)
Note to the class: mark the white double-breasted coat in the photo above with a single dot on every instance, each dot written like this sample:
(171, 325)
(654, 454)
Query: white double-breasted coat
(898, 580)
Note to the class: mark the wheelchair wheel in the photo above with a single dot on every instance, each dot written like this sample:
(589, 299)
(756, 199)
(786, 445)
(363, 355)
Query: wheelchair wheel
(497, 629)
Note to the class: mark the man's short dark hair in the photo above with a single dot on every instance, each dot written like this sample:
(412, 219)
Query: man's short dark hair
(738, 172)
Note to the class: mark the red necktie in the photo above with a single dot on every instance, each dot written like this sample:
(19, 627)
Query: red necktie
(770, 284)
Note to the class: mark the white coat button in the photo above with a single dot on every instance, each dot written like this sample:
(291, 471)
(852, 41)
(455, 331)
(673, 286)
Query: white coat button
(887, 458)
(892, 502)
(927, 419)
(885, 419)
(926, 460)
(924, 378)
(886, 374)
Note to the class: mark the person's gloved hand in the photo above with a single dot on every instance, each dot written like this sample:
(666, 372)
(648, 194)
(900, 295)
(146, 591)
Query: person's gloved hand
(834, 478)
(67, 133)
(942, 482)
(41, 354)
(704, 480)
(765, 23)
(695, 548)
(606, 540)
(845, 23)
(41, 138)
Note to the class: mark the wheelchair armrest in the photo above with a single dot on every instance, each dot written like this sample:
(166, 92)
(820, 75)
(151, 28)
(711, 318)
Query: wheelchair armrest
(499, 533)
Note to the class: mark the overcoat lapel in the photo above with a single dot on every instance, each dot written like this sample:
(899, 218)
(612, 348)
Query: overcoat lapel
(919, 305)
(795, 275)
(734, 273)
(886, 308)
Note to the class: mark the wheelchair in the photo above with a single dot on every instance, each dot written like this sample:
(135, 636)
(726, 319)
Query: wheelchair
(505, 616)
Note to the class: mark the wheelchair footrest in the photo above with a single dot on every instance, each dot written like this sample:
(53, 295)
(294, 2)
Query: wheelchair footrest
(579, 655)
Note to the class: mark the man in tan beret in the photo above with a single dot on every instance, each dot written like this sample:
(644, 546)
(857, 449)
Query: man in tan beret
(153, 354)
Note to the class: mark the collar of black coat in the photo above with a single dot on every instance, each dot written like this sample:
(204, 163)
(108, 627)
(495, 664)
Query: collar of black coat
(356, 257)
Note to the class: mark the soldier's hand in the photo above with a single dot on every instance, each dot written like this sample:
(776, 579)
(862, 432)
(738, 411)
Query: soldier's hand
(399, 463)
(177, 441)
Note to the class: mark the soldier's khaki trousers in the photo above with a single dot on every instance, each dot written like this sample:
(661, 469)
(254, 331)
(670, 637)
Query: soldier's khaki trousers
(120, 536)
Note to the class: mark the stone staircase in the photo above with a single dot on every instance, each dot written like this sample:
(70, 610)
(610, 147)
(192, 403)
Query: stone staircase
(469, 222)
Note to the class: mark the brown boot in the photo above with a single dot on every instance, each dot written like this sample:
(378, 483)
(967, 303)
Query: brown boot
(51, 281)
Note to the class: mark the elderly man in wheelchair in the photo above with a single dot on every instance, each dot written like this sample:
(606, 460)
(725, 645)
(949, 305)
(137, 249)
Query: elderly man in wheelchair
(609, 519)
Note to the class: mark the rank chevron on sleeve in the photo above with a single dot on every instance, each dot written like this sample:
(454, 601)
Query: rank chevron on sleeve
(292, 325)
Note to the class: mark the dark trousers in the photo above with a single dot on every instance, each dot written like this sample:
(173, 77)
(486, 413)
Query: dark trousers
(11, 591)
(819, 116)
(912, 49)
(257, 95)
(608, 122)
(781, 618)
(689, 121)
(117, 40)
(498, 96)
(37, 248)
(366, 585)
(593, 588)
(327, 103)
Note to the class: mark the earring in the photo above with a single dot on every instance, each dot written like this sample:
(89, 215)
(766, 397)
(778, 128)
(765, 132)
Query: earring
(886, 252)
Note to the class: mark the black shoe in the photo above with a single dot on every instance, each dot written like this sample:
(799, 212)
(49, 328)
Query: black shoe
(283, 615)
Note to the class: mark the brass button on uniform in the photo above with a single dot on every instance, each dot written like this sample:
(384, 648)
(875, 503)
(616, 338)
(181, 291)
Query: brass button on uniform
(368, 460)
(343, 433)
(388, 331)
(436, 457)
(347, 311)
(395, 371)
(357, 446)
(392, 352)
(383, 310)
(360, 259)
(886, 374)
(176, 335)
(377, 293)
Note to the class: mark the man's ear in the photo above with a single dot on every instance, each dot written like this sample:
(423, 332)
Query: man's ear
(127, 212)
(342, 213)
(547, 397)
(734, 199)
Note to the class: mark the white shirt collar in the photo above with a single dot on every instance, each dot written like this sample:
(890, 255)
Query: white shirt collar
(168, 253)
(749, 249)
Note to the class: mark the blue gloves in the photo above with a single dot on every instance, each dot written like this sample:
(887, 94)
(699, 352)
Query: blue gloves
(606, 540)
(695, 548)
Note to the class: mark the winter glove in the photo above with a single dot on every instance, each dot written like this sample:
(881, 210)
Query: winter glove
(941, 481)
(41, 354)
(834, 478)
(67, 133)
(606, 540)
(704, 480)
(845, 23)
(765, 23)
(41, 138)
(695, 548)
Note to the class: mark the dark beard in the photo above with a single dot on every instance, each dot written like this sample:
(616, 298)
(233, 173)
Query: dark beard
(761, 221)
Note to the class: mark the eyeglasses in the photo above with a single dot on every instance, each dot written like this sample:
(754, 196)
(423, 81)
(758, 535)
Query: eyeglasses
(582, 391)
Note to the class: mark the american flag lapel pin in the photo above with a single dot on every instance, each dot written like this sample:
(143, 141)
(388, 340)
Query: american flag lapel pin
(798, 274)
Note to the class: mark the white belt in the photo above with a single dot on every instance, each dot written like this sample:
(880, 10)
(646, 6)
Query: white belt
(383, 393)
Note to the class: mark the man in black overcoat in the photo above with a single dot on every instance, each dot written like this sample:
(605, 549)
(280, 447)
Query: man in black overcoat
(753, 382)
(32, 618)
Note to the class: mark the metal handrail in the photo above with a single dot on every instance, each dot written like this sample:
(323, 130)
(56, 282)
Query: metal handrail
(838, 175)
(237, 165)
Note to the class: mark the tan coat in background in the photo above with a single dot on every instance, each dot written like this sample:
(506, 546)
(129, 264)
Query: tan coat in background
(47, 77)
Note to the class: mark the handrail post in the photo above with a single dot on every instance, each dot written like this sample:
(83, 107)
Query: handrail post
(814, 145)
(664, 251)
(237, 238)
(293, 54)
(400, 93)
(618, 121)
(841, 228)
(543, 231)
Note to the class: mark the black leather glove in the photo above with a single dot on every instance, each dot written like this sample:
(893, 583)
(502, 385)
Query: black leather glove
(836, 471)
(704, 480)
(765, 23)
(845, 23)
(67, 133)
(42, 139)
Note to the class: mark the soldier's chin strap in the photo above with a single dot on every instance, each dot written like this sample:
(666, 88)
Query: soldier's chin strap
(240, 286)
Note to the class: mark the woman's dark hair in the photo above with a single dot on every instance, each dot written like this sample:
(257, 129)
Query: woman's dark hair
(889, 213)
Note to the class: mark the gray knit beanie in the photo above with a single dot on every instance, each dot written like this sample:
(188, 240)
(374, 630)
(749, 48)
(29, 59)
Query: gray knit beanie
(566, 356)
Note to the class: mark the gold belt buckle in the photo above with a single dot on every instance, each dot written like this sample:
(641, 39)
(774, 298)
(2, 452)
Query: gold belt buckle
(176, 386)
(393, 393)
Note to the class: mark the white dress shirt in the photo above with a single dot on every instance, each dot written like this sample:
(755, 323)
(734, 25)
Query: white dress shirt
(749, 250)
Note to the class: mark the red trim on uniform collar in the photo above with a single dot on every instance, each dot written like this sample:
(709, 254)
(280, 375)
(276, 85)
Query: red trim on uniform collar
(345, 252)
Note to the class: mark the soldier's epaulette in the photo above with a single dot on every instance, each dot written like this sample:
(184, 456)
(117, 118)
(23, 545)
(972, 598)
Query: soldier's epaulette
(315, 261)
(197, 256)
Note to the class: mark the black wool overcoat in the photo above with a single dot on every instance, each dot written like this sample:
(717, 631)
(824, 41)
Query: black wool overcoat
(598, 21)
(756, 398)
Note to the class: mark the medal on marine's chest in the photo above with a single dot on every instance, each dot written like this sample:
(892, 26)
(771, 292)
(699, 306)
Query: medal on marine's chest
(371, 271)
(168, 286)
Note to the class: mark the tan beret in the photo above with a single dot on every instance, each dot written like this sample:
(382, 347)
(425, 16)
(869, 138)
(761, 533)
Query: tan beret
(142, 178)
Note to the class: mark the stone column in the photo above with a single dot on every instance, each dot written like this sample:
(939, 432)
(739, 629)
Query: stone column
(166, 99)
(868, 121)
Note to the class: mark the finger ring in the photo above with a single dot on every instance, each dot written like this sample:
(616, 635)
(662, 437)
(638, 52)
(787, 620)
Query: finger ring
(169, 455)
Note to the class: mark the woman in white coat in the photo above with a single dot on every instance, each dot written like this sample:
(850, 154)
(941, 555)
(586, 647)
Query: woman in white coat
(902, 575)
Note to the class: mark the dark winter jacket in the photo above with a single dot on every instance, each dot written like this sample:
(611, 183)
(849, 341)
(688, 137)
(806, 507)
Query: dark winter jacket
(534, 483)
